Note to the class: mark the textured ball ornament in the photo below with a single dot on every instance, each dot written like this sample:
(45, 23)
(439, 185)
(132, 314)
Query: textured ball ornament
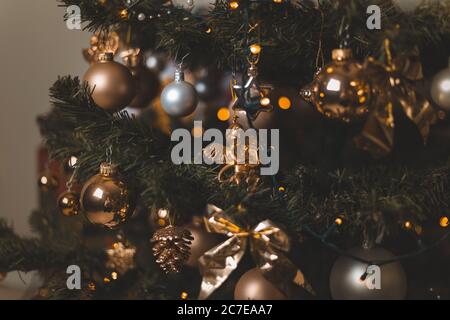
(105, 199)
(440, 89)
(197, 7)
(339, 90)
(111, 82)
(202, 242)
(179, 98)
(69, 203)
(253, 286)
(349, 280)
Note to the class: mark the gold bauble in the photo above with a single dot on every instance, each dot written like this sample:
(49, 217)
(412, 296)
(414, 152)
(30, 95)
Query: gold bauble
(253, 286)
(202, 242)
(111, 83)
(69, 203)
(340, 90)
(105, 198)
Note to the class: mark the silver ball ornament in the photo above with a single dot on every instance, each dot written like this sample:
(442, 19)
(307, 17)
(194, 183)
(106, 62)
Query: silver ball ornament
(197, 7)
(179, 98)
(440, 88)
(351, 279)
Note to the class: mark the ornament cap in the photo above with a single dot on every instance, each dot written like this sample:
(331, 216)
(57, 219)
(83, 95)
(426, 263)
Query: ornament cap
(106, 56)
(341, 54)
(179, 74)
(108, 169)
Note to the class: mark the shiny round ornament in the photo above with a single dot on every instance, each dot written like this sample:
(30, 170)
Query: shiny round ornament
(253, 286)
(111, 83)
(105, 198)
(179, 98)
(340, 90)
(354, 280)
(197, 7)
(440, 89)
(69, 203)
(202, 242)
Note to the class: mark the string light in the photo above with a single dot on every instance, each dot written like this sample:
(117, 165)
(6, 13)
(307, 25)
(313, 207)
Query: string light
(184, 295)
(123, 14)
(223, 114)
(408, 225)
(255, 48)
(281, 189)
(209, 30)
(265, 101)
(277, 1)
(114, 275)
(284, 103)
(339, 221)
(444, 222)
(234, 5)
(106, 280)
(91, 286)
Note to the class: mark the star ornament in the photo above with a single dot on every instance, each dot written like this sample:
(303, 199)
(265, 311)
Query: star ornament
(252, 97)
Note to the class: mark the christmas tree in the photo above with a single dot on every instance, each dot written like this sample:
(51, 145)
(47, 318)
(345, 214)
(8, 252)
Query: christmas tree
(328, 176)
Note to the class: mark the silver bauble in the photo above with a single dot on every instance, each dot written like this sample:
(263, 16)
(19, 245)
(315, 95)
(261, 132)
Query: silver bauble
(440, 88)
(198, 7)
(348, 283)
(179, 97)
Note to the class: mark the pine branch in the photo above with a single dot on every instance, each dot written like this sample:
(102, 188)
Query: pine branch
(290, 35)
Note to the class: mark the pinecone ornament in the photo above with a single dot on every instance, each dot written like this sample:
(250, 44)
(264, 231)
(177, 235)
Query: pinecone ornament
(171, 247)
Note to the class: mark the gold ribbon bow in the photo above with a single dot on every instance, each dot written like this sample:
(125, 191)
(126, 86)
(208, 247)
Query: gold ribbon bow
(393, 89)
(267, 244)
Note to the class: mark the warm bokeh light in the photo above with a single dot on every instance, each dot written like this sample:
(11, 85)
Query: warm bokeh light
(255, 48)
(234, 5)
(223, 114)
(284, 103)
(444, 222)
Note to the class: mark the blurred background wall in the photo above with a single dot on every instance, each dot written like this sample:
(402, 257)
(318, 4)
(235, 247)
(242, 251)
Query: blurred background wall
(35, 47)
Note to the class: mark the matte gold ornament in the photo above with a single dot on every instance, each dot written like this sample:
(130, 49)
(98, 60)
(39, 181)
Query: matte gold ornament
(340, 90)
(146, 81)
(69, 203)
(268, 245)
(121, 257)
(351, 279)
(202, 240)
(105, 198)
(111, 83)
(253, 286)
(171, 248)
